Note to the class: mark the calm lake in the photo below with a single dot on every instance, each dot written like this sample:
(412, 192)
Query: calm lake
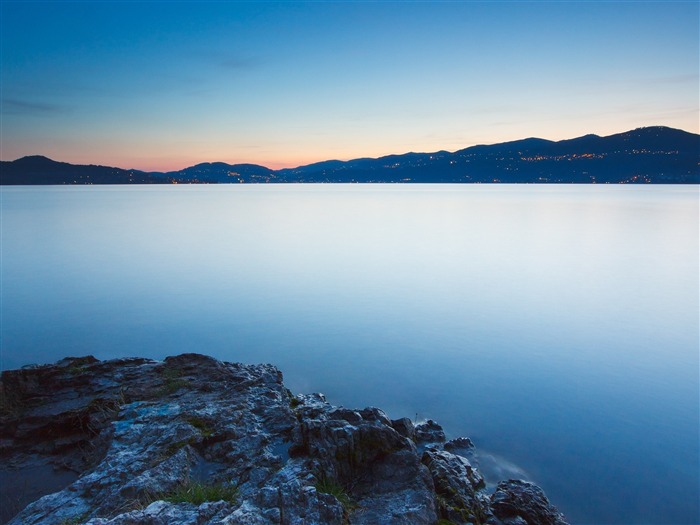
(557, 326)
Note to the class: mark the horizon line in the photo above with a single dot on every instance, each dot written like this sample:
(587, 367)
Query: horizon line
(349, 159)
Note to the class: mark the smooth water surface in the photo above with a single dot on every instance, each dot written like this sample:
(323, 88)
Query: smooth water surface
(555, 325)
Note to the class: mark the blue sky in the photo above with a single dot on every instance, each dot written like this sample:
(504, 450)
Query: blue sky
(164, 85)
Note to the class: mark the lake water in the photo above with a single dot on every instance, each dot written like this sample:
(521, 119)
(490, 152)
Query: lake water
(557, 326)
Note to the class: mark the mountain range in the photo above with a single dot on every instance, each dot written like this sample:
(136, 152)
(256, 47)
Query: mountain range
(658, 155)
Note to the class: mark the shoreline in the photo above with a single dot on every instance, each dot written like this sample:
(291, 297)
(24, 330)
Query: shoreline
(132, 440)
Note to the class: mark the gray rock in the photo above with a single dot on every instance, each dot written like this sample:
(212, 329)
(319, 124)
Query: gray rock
(460, 445)
(429, 433)
(405, 427)
(457, 486)
(516, 502)
(133, 441)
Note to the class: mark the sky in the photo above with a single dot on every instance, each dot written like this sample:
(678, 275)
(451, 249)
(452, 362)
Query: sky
(164, 85)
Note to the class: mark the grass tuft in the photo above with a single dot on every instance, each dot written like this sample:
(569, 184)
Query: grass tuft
(76, 520)
(332, 487)
(173, 382)
(198, 493)
(200, 424)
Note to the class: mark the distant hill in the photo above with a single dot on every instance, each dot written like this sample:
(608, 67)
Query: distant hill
(644, 155)
(658, 155)
(41, 170)
(220, 172)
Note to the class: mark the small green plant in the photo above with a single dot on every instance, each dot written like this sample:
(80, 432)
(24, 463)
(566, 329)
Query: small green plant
(75, 520)
(170, 387)
(294, 402)
(200, 424)
(171, 373)
(79, 365)
(173, 382)
(174, 447)
(328, 486)
(198, 493)
(76, 370)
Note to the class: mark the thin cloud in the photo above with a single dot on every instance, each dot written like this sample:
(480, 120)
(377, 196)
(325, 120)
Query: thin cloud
(15, 106)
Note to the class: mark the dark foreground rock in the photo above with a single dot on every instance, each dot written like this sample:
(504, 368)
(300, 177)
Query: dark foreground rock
(192, 440)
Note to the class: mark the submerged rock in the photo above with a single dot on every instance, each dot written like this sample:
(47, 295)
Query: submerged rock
(192, 440)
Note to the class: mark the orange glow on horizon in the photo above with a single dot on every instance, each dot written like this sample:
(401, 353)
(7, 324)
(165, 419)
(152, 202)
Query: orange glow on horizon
(155, 158)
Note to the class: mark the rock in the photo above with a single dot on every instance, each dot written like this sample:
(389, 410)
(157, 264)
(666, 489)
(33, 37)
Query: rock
(457, 486)
(461, 445)
(517, 502)
(429, 433)
(405, 427)
(192, 440)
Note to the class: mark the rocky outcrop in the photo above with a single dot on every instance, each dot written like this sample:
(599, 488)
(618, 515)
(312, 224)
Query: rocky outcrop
(521, 502)
(192, 440)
